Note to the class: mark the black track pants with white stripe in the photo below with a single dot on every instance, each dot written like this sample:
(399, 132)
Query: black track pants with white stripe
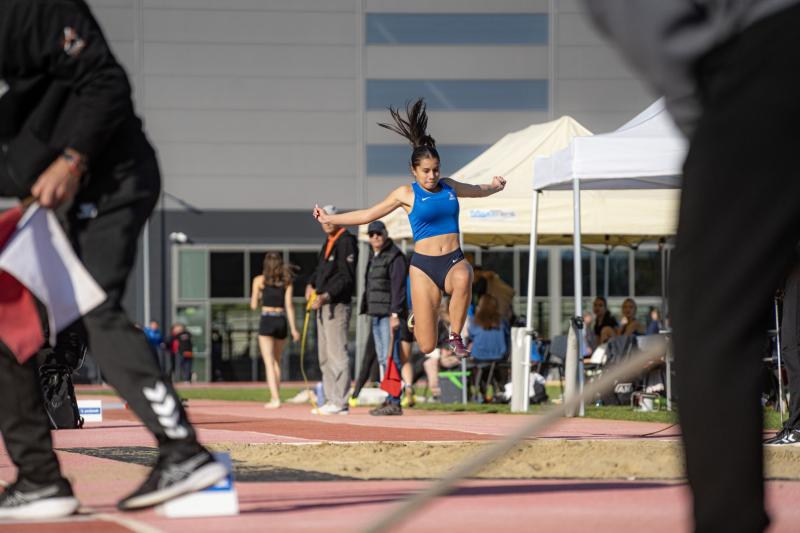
(107, 246)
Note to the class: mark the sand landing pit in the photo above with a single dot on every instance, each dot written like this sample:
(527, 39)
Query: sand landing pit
(542, 458)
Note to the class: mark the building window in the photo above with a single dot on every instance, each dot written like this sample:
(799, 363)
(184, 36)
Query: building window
(256, 262)
(306, 263)
(194, 318)
(501, 263)
(462, 95)
(192, 274)
(227, 275)
(568, 276)
(618, 280)
(394, 159)
(447, 28)
(542, 279)
(647, 273)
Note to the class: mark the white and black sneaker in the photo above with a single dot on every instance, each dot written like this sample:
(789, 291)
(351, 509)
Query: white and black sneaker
(25, 500)
(785, 437)
(171, 478)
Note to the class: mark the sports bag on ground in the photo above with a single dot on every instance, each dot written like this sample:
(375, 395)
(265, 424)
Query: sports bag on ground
(55, 377)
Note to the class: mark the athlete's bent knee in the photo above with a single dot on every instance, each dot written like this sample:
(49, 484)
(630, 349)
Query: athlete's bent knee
(426, 346)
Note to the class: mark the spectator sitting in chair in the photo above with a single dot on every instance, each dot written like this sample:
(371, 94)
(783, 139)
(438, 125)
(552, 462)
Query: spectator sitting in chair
(489, 282)
(628, 324)
(487, 333)
(655, 325)
(605, 325)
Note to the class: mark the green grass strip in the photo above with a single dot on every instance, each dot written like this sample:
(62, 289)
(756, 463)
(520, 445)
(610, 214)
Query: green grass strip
(608, 412)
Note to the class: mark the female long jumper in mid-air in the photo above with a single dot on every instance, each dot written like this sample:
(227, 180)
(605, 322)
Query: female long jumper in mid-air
(432, 206)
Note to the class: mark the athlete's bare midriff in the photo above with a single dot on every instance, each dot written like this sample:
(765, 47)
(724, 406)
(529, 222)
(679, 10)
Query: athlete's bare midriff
(438, 245)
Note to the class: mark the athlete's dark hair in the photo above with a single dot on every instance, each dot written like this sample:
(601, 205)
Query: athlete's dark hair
(276, 273)
(414, 127)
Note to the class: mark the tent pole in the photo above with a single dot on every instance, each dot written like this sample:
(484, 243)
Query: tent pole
(574, 370)
(524, 366)
(663, 258)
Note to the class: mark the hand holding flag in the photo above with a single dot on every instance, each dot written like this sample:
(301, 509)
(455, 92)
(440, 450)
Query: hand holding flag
(36, 259)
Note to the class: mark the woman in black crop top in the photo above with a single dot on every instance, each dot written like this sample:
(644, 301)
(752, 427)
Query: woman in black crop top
(272, 291)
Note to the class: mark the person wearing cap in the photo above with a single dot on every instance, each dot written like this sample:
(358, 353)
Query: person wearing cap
(384, 300)
(334, 284)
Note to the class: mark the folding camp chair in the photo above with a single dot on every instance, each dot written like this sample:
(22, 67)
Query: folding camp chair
(553, 360)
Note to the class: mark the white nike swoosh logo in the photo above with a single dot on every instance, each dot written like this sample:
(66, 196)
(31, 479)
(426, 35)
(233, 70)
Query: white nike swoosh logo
(424, 199)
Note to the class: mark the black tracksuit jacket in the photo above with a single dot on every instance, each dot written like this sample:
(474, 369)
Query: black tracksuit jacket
(60, 87)
(336, 275)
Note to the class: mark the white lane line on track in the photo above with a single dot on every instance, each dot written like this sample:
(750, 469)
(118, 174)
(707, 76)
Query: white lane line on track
(134, 525)
(277, 437)
(86, 515)
(32, 522)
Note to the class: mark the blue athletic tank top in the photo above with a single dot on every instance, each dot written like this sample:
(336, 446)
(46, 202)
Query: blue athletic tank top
(433, 213)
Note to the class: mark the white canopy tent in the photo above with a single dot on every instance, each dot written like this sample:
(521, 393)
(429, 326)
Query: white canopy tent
(505, 218)
(646, 153)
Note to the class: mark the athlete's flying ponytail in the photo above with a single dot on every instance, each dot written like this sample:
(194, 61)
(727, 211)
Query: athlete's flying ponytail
(414, 128)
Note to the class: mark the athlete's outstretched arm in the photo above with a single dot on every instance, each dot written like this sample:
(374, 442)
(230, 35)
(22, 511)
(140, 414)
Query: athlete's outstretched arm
(393, 200)
(468, 190)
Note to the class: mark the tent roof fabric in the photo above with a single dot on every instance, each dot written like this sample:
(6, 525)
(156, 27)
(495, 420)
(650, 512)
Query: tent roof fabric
(645, 153)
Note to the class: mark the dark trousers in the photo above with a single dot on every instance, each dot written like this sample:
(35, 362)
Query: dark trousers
(738, 227)
(369, 366)
(106, 244)
(790, 344)
(186, 368)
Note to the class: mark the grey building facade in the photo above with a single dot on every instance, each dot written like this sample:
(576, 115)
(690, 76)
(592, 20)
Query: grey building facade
(261, 108)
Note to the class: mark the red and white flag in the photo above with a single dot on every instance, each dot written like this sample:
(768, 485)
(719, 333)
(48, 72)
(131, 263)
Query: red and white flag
(36, 259)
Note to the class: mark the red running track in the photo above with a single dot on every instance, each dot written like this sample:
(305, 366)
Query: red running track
(478, 505)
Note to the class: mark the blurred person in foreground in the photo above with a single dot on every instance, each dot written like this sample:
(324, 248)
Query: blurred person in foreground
(72, 141)
(726, 69)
